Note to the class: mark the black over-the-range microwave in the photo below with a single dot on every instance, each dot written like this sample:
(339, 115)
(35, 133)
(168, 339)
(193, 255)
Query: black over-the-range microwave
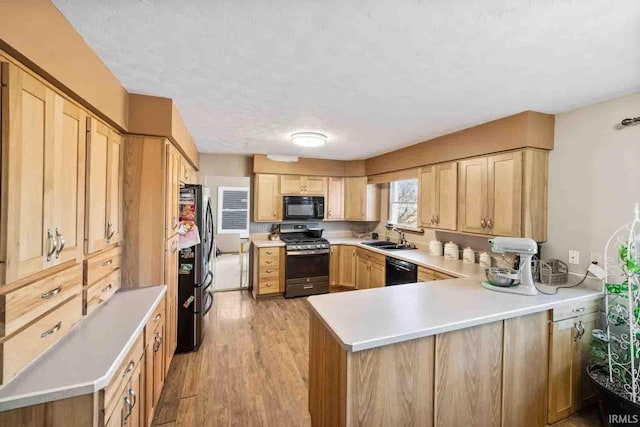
(303, 208)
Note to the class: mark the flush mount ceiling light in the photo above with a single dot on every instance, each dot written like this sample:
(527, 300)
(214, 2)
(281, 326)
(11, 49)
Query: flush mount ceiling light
(282, 158)
(308, 139)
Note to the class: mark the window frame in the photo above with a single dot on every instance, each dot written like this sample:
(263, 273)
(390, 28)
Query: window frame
(393, 203)
(220, 210)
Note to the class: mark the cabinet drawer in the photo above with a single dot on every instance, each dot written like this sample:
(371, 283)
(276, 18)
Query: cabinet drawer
(567, 311)
(268, 286)
(427, 275)
(102, 265)
(269, 261)
(23, 305)
(265, 272)
(371, 256)
(157, 318)
(22, 348)
(101, 291)
(271, 253)
(123, 375)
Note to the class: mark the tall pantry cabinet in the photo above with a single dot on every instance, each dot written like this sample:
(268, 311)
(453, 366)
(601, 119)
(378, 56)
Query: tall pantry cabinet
(47, 226)
(154, 170)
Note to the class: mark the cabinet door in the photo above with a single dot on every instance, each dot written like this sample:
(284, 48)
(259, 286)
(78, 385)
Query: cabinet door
(377, 275)
(114, 187)
(134, 415)
(291, 184)
(428, 196)
(355, 199)
(30, 116)
(314, 185)
(171, 280)
(334, 265)
(267, 198)
(335, 198)
(447, 213)
(472, 197)
(569, 385)
(67, 180)
(363, 277)
(505, 194)
(172, 190)
(347, 266)
(116, 419)
(149, 402)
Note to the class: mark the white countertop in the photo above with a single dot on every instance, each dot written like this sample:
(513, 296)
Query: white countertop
(372, 318)
(85, 360)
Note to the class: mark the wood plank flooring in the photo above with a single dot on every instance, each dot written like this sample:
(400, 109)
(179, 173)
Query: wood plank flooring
(252, 369)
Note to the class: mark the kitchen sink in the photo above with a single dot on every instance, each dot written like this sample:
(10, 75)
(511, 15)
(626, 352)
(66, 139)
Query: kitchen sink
(387, 246)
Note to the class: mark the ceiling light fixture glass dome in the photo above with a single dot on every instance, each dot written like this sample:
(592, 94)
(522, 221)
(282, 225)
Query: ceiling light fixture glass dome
(309, 139)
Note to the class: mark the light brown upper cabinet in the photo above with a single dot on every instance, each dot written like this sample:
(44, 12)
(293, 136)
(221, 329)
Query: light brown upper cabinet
(172, 189)
(504, 194)
(267, 199)
(335, 198)
(438, 196)
(43, 190)
(361, 200)
(302, 185)
(104, 205)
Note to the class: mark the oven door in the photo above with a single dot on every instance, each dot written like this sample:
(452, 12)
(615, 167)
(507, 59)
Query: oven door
(303, 208)
(307, 266)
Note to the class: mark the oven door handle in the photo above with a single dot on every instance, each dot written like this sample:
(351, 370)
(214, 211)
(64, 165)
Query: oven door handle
(314, 252)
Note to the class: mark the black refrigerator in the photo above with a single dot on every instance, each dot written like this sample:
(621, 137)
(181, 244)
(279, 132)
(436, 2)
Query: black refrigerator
(195, 277)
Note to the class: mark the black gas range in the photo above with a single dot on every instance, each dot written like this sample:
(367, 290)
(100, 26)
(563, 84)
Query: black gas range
(307, 260)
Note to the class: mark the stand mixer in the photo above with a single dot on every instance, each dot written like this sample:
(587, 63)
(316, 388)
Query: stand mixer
(513, 281)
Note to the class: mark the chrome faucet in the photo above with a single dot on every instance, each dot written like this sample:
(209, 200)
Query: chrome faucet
(401, 240)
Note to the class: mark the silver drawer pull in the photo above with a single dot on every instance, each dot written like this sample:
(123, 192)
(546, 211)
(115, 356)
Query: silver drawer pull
(307, 287)
(578, 310)
(108, 288)
(268, 270)
(158, 317)
(106, 263)
(52, 292)
(129, 369)
(53, 330)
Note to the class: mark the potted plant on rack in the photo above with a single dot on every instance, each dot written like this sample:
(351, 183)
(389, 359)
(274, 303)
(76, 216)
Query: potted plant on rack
(615, 370)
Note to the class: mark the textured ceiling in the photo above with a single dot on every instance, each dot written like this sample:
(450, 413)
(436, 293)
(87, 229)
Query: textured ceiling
(374, 75)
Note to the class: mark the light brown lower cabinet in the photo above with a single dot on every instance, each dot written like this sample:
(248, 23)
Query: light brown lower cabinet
(427, 275)
(347, 275)
(569, 387)
(370, 269)
(334, 265)
(488, 375)
(129, 410)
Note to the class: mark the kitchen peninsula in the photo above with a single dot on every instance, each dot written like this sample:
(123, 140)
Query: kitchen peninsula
(444, 353)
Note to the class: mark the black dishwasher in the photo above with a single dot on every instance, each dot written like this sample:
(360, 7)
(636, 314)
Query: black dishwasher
(400, 272)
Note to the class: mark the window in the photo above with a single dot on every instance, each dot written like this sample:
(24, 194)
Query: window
(233, 210)
(403, 203)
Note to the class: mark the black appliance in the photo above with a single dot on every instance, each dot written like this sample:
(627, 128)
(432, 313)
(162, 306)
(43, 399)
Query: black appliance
(399, 272)
(307, 260)
(301, 208)
(194, 274)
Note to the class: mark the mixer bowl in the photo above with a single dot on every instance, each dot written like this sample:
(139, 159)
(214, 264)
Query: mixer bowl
(504, 277)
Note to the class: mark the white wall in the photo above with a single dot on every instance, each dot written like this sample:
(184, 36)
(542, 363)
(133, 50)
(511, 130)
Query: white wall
(594, 178)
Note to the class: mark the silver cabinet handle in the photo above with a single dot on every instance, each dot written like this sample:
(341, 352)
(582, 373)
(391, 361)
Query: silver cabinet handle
(127, 402)
(107, 288)
(110, 232)
(135, 398)
(579, 331)
(53, 245)
(158, 317)
(53, 330)
(157, 342)
(129, 369)
(61, 243)
(578, 310)
(107, 262)
(52, 292)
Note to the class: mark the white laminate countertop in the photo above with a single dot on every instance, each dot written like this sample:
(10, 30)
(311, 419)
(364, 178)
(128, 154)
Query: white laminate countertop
(376, 317)
(86, 359)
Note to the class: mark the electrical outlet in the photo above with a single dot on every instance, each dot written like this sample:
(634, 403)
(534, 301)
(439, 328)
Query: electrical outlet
(594, 258)
(574, 257)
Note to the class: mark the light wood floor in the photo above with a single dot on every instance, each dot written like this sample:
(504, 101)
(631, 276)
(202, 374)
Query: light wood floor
(251, 369)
